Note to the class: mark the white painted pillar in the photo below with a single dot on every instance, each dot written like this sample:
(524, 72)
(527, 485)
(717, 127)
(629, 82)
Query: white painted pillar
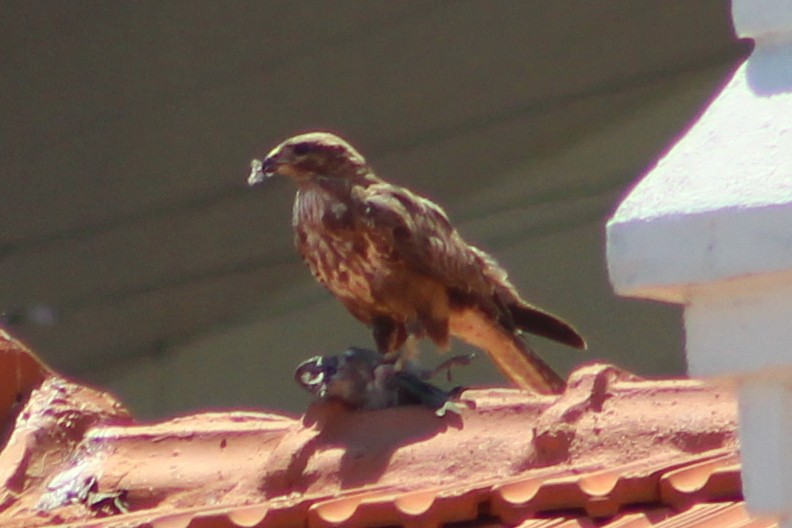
(710, 227)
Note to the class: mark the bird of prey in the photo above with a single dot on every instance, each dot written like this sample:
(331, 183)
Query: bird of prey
(398, 265)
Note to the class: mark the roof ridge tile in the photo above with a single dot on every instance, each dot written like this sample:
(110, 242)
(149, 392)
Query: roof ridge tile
(613, 451)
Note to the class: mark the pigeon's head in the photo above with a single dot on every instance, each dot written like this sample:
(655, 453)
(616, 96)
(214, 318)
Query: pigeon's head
(310, 156)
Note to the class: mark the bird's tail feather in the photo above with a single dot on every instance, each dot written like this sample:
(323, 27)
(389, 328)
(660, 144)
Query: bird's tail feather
(513, 357)
(536, 321)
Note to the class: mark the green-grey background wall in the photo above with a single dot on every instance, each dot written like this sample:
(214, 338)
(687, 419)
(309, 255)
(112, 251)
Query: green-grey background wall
(128, 128)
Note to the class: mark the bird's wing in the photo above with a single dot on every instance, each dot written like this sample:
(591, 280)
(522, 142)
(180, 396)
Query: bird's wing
(424, 240)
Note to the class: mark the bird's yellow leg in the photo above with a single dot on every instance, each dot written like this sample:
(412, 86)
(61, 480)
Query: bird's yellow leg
(407, 353)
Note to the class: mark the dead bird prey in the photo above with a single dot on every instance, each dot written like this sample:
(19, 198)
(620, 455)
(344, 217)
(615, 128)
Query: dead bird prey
(399, 266)
(361, 379)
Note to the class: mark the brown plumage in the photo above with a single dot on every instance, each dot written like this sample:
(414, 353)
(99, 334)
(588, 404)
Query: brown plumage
(398, 265)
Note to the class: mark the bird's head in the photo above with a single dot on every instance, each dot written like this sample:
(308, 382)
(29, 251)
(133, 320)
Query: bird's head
(309, 156)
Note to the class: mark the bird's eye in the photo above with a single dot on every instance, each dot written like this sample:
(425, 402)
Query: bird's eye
(301, 149)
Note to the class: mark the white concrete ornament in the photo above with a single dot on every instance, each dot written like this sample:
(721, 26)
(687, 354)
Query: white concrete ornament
(710, 227)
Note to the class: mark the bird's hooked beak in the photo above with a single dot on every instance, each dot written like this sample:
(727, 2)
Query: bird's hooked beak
(260, 170)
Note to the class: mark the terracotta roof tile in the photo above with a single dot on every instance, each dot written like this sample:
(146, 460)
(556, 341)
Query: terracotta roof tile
(612, 451)
(706, 480)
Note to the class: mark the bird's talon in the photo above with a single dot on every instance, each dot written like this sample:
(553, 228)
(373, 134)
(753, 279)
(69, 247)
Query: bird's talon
(458, 360)
(449, 406)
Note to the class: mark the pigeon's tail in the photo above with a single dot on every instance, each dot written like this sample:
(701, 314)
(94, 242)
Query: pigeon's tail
(513, 357)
